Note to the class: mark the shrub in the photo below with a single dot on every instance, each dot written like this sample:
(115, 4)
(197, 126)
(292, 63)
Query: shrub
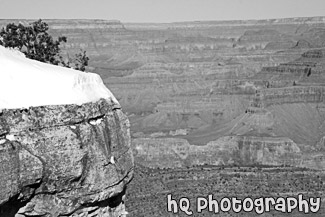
(36, 43)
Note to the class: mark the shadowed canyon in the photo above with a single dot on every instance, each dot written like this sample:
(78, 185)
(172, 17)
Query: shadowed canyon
(233, 108)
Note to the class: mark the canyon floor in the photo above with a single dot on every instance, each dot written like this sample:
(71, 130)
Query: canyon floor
(233, 108)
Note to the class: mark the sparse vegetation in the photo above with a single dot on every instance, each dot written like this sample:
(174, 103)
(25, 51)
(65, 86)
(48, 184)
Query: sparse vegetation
(36, 43)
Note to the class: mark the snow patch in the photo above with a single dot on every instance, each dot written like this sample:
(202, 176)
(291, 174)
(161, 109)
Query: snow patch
(112, 160)
(95, 122)
(25, 82)
(10, 137)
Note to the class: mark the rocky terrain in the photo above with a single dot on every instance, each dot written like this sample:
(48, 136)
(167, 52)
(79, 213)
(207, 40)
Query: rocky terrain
(231, 107)
(60, 155)
(55, 161)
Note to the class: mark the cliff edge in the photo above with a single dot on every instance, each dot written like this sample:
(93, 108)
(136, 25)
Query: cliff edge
(60, 159)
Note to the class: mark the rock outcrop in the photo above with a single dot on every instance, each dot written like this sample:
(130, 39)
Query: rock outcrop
(61, 160)
(64, 160)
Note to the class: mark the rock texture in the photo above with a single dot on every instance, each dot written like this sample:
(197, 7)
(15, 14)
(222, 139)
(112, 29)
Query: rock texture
(148, 190)
(229, 150)
(64, 160)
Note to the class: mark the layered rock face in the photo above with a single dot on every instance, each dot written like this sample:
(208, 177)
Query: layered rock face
(229, 150)
(65, 160)
(240, 134)
(61, 160)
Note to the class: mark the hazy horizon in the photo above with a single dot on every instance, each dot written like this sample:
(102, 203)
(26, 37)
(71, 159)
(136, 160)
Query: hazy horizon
(154, 11)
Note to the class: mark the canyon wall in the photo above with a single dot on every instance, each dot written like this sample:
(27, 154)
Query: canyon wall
(294, 94)
(229, 150)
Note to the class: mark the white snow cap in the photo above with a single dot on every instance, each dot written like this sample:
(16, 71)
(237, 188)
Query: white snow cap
(25, 82)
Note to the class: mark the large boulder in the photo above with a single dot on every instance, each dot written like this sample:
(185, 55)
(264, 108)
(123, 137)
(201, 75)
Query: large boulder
(59, 158)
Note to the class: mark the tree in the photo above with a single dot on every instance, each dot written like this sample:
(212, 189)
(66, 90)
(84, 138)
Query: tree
(36, 43)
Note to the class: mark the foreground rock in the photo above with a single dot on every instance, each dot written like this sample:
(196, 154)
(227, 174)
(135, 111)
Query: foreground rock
(64, 142)
(64, 160)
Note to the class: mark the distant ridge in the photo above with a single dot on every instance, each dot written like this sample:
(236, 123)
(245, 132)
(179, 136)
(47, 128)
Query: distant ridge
(275, 20)
(71, 23)
(220, 23)
(317, 19)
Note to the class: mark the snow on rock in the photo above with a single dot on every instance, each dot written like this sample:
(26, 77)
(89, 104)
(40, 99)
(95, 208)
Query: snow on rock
(58, 158)
(25, 82)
